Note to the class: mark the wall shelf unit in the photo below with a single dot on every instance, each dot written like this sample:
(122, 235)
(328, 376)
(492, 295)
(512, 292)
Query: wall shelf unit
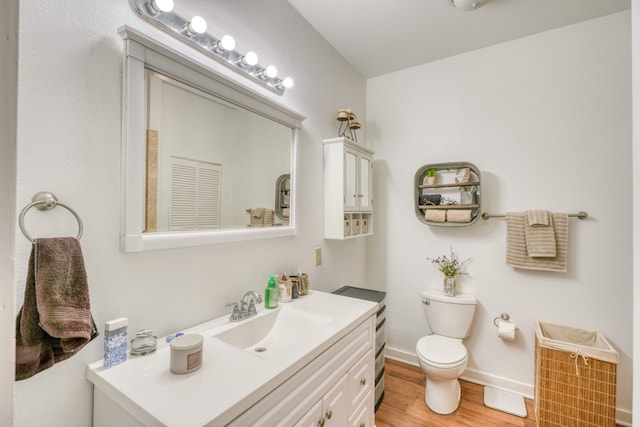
(451, 198)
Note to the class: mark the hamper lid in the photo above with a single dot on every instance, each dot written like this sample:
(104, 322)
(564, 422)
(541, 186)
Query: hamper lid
(575, 340)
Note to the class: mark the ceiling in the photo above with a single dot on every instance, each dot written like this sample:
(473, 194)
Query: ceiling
(382, 36)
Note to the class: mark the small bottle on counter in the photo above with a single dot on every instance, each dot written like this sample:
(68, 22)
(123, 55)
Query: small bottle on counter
(115, 342)
(304, 283)
(271, 293)
(295, 287)
(284, 289)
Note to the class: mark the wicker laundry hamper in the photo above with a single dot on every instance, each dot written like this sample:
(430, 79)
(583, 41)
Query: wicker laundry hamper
(575, 378)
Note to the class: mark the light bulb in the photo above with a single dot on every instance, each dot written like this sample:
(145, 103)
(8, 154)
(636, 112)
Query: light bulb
(162, 5)
(227, 43)
(287, 82)
(468, 4)
(251, 58)
(271, 71)
(197, 25)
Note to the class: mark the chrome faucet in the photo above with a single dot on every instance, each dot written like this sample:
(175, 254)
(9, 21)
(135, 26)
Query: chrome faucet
(246, 308)
(253, 298)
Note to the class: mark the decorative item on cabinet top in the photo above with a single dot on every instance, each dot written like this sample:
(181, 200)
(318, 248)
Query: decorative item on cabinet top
(453, 199)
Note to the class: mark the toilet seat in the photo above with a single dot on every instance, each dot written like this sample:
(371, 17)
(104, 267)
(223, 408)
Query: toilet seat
(441, 351)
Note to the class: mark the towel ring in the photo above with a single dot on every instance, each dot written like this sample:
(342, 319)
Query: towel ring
(44, 201)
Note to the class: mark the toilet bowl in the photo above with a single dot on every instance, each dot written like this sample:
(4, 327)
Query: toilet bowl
(443, 360)
(442, 355)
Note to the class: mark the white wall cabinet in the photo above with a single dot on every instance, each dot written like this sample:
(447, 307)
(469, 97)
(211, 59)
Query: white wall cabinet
(348, 189)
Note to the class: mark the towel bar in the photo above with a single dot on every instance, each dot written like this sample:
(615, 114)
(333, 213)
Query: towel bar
(579, 215)
(44, 201)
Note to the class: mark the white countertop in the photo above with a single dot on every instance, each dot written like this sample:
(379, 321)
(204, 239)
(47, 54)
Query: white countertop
(230, 379)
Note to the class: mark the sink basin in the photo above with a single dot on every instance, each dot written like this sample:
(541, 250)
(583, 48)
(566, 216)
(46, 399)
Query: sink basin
(274, 330)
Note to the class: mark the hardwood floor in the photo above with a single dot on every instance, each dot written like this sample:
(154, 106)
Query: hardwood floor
(403, 404)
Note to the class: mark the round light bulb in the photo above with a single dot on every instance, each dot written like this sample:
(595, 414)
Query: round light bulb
(251, 58)
(271, 71)
(162, 5)
(227, 43)
(287, 82)
(468, 4)
(197, 25)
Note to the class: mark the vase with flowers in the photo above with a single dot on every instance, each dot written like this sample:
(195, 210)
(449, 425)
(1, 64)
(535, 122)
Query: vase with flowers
(451, 266)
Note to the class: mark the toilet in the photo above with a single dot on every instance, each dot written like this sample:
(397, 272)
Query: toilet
(442, 355)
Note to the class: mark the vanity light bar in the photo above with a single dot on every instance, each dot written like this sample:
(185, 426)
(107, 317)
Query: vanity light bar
(193, 33)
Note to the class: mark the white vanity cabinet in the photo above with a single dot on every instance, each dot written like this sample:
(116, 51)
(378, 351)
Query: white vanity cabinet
(335, 389)
(348, 189)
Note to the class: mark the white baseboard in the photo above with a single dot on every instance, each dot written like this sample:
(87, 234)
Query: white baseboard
(623, 417)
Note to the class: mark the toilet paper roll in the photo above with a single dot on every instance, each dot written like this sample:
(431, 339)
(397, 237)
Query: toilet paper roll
(506, 330)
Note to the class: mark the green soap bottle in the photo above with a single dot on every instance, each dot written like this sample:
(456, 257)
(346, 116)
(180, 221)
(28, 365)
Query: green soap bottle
(271, 293)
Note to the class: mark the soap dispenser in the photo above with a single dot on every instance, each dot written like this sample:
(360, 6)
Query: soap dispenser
(271, 293)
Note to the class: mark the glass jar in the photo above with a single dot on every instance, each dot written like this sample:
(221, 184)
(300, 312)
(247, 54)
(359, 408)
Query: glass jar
(144, 343)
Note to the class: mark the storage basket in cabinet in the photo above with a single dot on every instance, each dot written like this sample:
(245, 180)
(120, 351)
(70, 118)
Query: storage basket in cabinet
(575, 377)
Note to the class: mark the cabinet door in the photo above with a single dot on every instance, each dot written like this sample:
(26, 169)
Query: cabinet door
(313, 418)
(336, 405)
(350, 180)
(364, 184)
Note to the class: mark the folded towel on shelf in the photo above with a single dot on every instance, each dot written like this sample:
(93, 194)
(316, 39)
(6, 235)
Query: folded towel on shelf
(435, 215)
(55, 321)
(517, 248)
(539, 234)
(459, 215)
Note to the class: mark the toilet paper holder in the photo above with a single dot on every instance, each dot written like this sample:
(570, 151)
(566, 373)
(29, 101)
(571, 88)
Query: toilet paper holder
(503, 317)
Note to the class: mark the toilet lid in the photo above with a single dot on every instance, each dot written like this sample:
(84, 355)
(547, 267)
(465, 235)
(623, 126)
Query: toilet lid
(441, 350)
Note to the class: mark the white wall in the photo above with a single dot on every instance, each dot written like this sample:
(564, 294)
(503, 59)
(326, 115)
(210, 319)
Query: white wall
(635, 17)
(69, 143)
(8, 123)
(547, 119)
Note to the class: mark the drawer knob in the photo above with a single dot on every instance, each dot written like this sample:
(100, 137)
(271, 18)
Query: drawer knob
(321, 422)
(363, 382)
(363, 425)
(329, 414)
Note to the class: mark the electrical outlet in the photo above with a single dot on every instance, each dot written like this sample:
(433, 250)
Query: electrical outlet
(318, 256)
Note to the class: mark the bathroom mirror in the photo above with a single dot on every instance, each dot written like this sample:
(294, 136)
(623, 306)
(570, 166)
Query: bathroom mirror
(200, 152)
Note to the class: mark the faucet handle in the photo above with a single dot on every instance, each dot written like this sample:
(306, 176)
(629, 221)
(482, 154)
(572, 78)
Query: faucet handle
(235, 313)
(243, 309)
(252, 308)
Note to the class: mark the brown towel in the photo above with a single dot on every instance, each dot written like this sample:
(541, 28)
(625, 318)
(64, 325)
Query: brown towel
(517, 247)
(54, 321)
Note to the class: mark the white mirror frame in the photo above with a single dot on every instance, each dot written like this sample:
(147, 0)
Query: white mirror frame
(140, 52)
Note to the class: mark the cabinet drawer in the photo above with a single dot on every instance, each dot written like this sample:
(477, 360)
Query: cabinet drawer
(361, 379)
(363, 415)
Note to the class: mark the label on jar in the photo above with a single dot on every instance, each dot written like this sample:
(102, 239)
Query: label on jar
(194, 360)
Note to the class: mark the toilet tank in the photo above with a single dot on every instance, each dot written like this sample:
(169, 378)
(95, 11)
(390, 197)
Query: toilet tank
(449, 316)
